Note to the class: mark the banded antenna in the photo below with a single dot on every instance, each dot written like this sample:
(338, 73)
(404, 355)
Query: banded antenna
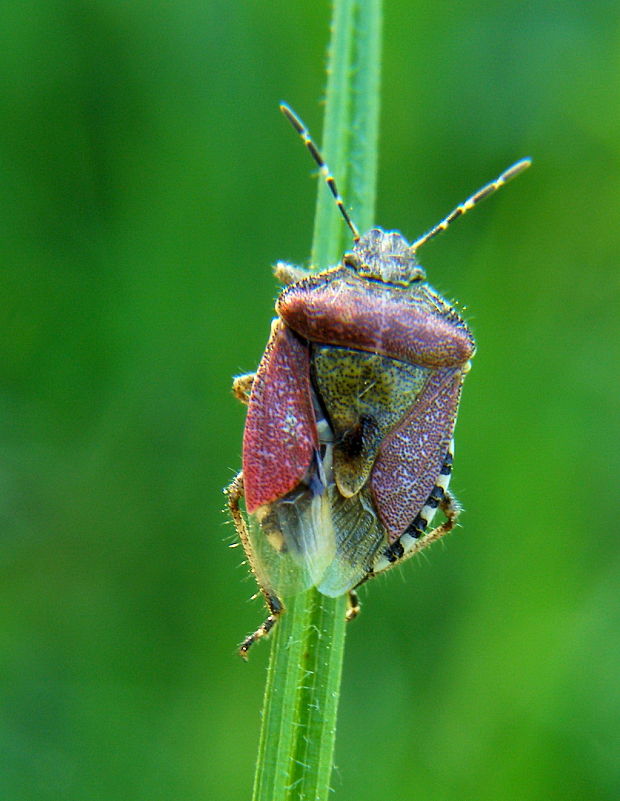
(481, 194)
(324, 169)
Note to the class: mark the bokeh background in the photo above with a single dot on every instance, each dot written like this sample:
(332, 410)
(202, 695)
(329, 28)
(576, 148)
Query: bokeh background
(147, 183)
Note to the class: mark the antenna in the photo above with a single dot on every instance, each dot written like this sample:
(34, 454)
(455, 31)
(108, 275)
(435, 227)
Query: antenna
(325, 171)
(481, 194)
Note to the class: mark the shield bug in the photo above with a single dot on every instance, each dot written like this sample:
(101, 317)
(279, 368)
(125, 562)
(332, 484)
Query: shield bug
(348, 442)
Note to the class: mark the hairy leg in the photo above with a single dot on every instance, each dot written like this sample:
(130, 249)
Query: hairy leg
(274, 604)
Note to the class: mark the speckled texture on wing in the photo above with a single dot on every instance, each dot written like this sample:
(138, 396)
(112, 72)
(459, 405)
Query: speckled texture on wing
(280, 430)
(411, 457)
(412, 324)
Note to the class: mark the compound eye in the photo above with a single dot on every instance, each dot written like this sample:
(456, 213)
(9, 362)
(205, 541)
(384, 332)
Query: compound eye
(349, 260)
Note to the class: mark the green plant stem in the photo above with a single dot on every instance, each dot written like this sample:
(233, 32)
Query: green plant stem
(298, 731)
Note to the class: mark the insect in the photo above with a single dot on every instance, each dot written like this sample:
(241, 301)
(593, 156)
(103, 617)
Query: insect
(348, 441)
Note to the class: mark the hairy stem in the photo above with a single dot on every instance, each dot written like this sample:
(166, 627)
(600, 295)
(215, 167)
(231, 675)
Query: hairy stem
(298, 732)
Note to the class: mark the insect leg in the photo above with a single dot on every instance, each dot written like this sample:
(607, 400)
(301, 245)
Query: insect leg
(414, 540)
(289, 273)
(274, 604)
(242, 387)
(451, 509)
(353, 606)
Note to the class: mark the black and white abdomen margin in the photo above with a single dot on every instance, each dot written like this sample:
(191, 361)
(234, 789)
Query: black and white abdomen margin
(417, 528)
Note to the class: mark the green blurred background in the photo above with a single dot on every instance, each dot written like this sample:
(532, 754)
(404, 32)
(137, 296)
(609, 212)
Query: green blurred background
(147, 184)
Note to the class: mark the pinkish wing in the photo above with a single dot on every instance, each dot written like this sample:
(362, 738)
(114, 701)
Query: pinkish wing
(410, 459)
(280, 430)
(338, 308)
